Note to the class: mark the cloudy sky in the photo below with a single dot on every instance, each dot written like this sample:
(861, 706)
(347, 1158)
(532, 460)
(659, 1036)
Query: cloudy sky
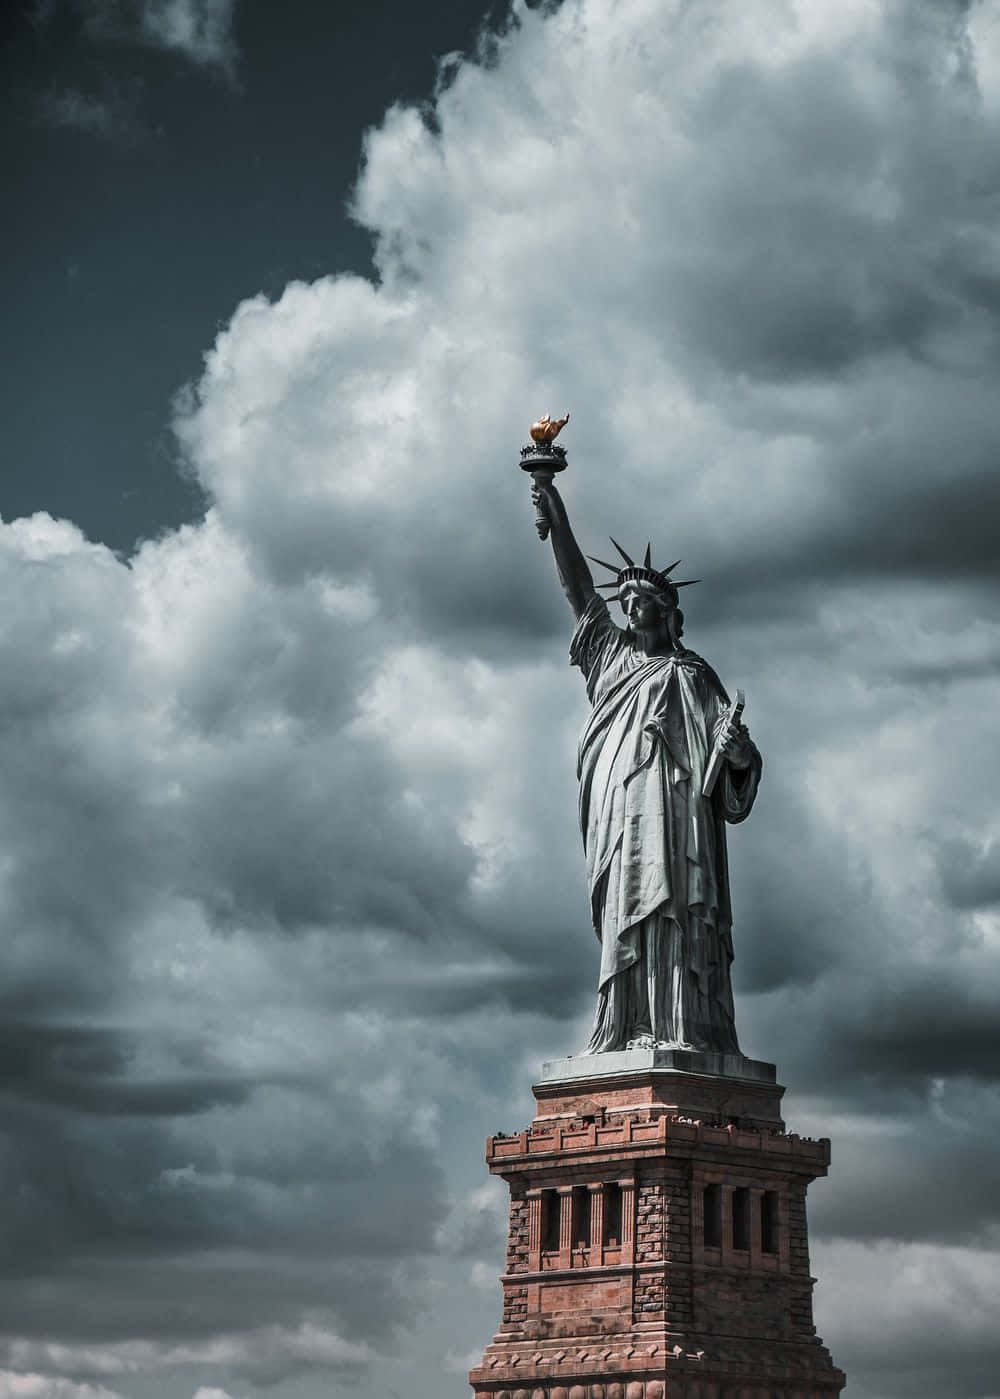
(291, 886)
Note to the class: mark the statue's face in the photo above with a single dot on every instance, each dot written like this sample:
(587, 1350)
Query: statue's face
(643, 608)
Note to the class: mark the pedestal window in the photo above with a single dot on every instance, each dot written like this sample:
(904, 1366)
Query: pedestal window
(581, 1217)
(712, 1203)
(612, 1215)
(741, 1219)
(550, 1221)
(769, 1222)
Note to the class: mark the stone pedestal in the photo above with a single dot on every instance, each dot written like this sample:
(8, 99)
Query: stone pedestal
(657, 1245)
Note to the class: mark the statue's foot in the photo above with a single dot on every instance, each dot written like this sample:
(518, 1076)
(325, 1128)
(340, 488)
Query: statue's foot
(642, 1042)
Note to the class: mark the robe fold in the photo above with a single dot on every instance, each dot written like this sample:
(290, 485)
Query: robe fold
(655, 847)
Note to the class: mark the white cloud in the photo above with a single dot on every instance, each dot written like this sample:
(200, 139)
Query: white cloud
(457, 1364)
(112, 113)
(260, 1356)
(199, 30)
(476, 1224)
(15, 1385)
(935, 1309)
(78, 109)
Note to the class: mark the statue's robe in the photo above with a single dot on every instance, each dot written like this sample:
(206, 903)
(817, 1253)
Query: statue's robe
(655, 847)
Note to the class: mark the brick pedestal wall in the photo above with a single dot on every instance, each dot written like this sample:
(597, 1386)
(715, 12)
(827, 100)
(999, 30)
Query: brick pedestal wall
(656, 1255)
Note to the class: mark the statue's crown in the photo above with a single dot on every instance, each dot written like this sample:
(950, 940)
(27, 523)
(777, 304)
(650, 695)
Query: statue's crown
(658, 578)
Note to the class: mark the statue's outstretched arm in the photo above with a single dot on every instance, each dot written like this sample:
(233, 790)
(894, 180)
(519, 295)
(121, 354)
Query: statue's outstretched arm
(574, 571)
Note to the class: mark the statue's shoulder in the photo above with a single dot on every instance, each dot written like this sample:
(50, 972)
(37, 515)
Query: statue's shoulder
(701, 668)
(691, 659)
(596, 640)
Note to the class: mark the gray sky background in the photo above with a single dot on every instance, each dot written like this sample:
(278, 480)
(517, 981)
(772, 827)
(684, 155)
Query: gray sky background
(290, 878)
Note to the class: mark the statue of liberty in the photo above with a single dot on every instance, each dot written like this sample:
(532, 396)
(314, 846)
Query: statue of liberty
(655, 842)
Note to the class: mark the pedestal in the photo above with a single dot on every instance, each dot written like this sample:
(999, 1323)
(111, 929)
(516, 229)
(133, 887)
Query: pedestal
(657, 1245)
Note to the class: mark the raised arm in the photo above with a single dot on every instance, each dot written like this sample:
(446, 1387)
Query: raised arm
(574, 571)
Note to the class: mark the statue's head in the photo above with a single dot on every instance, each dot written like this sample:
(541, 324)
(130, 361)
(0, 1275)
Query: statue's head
(648, 595)
(651, 611)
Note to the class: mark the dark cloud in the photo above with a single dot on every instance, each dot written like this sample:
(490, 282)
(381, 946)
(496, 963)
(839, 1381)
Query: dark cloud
(86, 1069)
(939, 1025)
(970, 875)
(943, 1134)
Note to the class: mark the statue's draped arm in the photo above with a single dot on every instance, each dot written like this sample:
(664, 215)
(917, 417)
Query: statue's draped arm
(573, 569)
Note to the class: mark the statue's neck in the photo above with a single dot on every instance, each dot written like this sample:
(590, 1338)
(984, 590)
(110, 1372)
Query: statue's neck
(657, 644)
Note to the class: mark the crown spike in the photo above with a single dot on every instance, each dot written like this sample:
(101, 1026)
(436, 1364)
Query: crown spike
(630, 562)
(687, 582)
(611, 567)
(648, 560)
(670, 567)
(607, 585)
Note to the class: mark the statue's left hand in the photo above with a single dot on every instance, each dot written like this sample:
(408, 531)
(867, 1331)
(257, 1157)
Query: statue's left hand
(736, 745)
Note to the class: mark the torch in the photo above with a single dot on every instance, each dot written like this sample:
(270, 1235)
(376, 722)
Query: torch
(543, 459)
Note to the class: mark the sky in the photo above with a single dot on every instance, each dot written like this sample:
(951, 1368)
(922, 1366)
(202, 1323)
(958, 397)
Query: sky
(292, 890)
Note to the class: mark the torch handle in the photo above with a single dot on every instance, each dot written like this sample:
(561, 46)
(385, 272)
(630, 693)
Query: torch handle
(541, 478)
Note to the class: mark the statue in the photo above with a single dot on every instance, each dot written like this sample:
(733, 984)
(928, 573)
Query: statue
(664, 763)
